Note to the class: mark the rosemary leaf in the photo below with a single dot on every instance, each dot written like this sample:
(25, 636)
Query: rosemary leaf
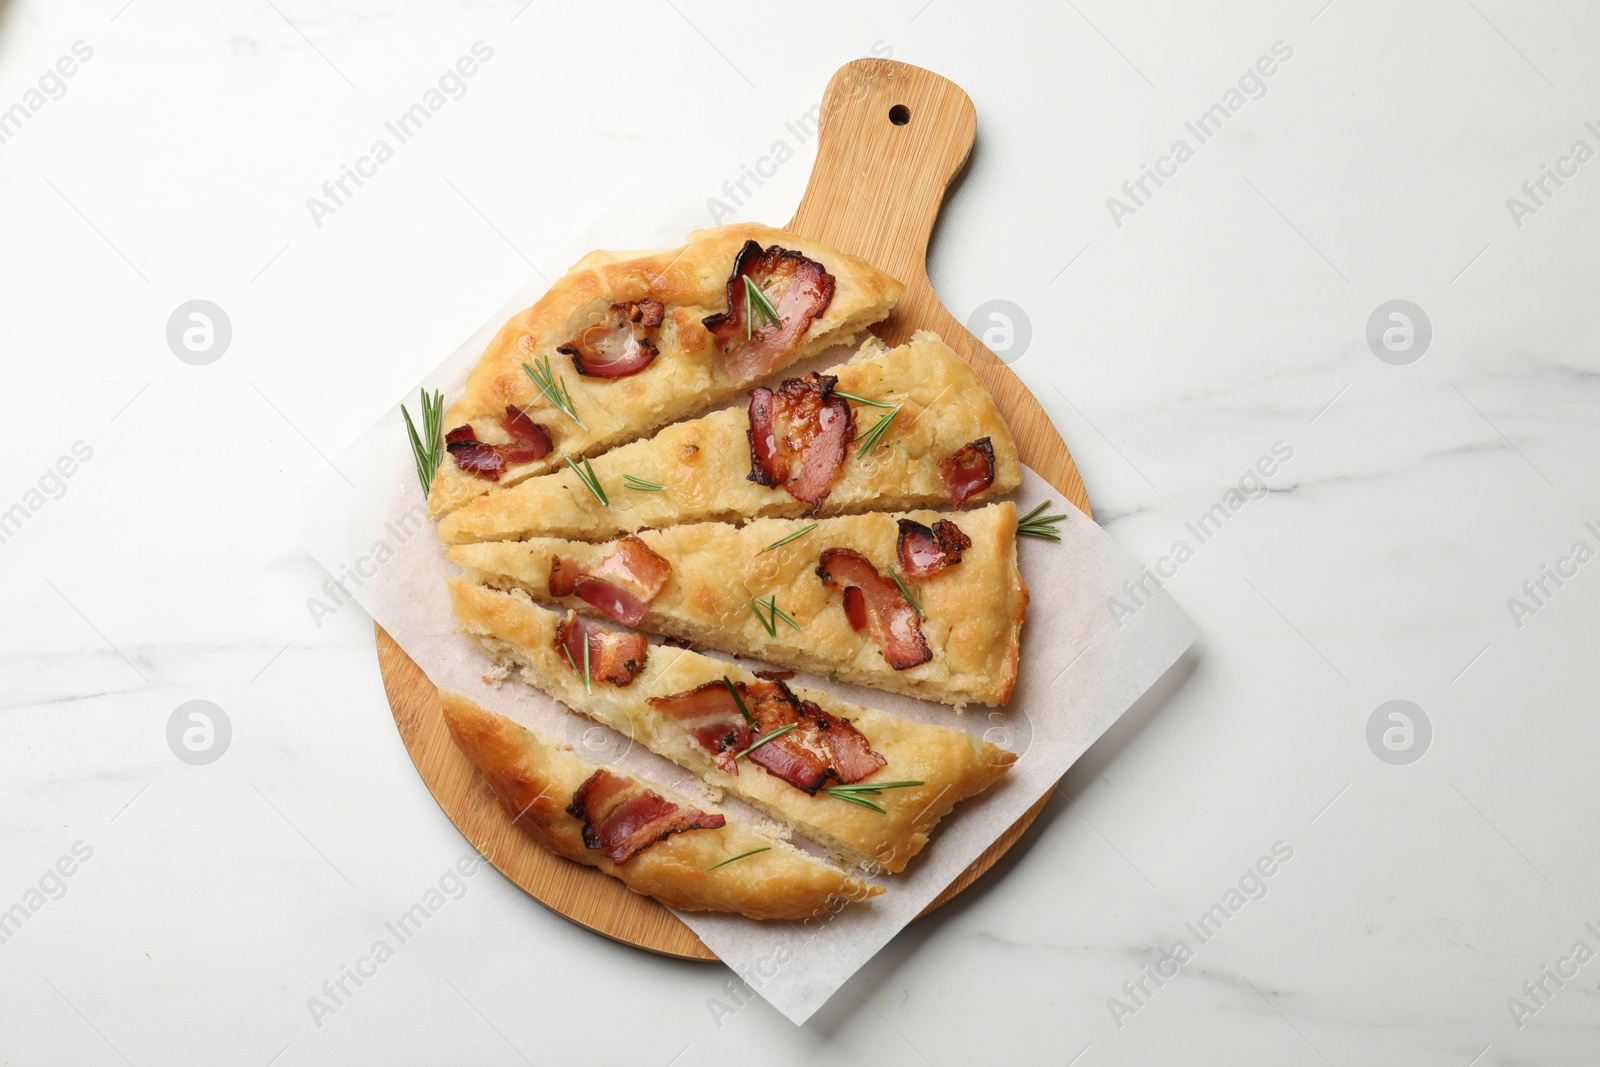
(862, 399)
(586, 475)
(768, 623)
(554, 389)
(739, 700)
(779, 732)
(905, 591)
(869, 440)
(792, 537)
(427, 448)
(630, 482)
(1033, 524)
(756, 303)
(740, 856)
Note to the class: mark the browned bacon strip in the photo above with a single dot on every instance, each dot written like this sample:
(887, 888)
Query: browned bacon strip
(894, 623)
(624, 818)
(529, 441)
(613, 657)
(799, 290)
(923, 551)
(619, 344)
(620, 586)
(968, 470)
(819, 748)
(798, 436)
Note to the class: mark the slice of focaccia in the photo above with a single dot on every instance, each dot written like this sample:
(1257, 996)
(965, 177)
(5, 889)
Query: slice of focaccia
(816, 773)
(922, 603)
(620, 346)
(704, 471)
(656, 842)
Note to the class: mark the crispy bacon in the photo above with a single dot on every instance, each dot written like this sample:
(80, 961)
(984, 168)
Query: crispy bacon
(624, 818)
(855, 608)
(820, 748)
(613, 657)
(713, 718)
(529, 441)
(620, 586)
(799, 290)
(798, 436)
(619, 344)
(923, 551)
(894, 622)
(968, 470)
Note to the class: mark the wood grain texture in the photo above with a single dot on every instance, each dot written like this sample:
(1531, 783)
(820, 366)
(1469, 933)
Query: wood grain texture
(875, 191)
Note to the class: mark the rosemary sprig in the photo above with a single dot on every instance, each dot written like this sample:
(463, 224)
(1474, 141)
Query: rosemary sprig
(779, 732)
(585, 672)
(630, 482)
(792, 537)
(858, 794)
(428, 448)
(554, 389)
(590, 480)
(769, 621)
(739, 700)
(862, 399)
(905, 591)
(756, 302)
(1041, 526)
(869, 440)
(740, 856)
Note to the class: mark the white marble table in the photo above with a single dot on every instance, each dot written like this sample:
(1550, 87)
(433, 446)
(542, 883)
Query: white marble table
(1178, 336)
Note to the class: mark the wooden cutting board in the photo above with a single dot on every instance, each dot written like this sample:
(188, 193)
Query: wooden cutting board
(892, 138)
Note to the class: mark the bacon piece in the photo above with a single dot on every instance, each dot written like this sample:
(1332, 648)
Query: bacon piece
(619, 344)
(774, 676)
(799, 290)
(620, 586)
(968, 470)
(923, 551)
(713, 718)
(853, 758)
(624, 818)
(894, 622)
(613, 657)
(819, 748)
(798, 436)
(529, 441)
(855, 608)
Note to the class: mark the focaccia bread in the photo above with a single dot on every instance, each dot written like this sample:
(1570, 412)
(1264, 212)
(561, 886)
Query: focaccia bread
(626, 345)
(688, 708)
(701, 470)
(827, 596)
(540, 783)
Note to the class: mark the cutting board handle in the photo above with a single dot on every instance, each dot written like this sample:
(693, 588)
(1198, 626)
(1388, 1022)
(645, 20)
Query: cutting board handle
(892, 138)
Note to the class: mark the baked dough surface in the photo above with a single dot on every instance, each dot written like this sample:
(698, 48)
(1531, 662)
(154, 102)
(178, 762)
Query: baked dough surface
(704, 463)
(687, 377)
(973, 611)
(951, 764)
(534, 779)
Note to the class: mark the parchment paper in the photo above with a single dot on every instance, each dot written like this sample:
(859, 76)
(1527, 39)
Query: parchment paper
(1082, 666)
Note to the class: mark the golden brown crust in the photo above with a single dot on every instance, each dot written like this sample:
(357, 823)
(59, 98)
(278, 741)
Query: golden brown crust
(973, 611)
(686, 378)
(950, 764)
(534, 780)
(704, 463)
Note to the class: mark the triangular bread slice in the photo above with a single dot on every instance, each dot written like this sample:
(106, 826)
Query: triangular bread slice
(667, 296)
(537, 780)
(703, 466)
(948, 765)
(722, 583)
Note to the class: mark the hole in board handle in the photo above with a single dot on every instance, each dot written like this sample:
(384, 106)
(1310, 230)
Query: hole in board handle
(899, 114)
